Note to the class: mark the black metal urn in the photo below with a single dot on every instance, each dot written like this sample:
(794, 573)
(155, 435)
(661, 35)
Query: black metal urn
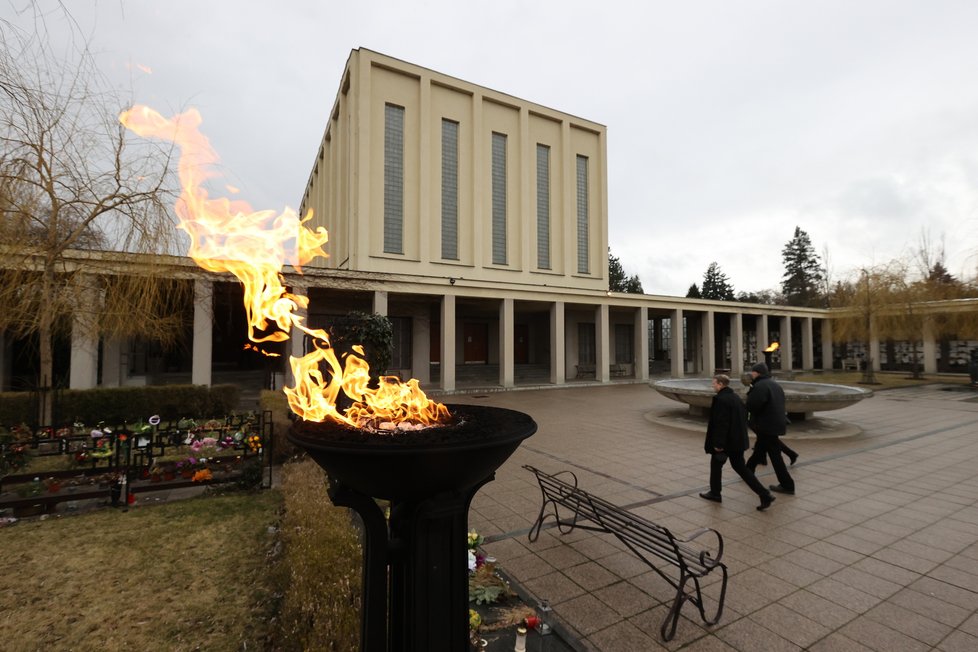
(415, 576)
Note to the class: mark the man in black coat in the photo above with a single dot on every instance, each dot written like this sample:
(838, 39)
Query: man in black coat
(766, 409)
(726, 439)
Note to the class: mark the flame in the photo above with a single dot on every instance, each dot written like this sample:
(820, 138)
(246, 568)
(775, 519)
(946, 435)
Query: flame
(774, 346)
(252, 347)
(227, 236)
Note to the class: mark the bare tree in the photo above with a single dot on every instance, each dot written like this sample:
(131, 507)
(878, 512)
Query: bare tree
(72, 182)
(892, 302)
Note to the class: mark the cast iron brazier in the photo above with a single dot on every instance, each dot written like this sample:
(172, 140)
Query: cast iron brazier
(415, 576)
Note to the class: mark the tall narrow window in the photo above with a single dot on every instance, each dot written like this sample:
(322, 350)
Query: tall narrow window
(543, 206)
(586, 343)
(449, 189)
(498, 199)
(583, 266)
(393, 179)
(401, 351)
(624, 343)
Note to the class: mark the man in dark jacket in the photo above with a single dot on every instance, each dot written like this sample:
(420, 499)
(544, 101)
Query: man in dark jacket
(766, 409)
(726, 439)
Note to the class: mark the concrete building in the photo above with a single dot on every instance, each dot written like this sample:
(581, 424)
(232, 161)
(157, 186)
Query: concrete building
(478, 223)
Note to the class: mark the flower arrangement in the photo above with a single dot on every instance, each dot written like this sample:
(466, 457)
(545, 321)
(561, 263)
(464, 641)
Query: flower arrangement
(485, 585)
(254, 443)
(21, 432)
(203, 475)
(13, 459)
(103, 449)
(206, 442)
(475, 623)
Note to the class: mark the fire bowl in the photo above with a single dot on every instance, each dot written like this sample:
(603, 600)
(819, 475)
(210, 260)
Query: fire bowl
(416, 464)
(801, 399)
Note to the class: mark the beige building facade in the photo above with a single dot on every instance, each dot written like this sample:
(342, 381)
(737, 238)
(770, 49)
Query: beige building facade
(478, 223)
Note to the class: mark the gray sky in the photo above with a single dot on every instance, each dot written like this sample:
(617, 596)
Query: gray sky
(729, 123)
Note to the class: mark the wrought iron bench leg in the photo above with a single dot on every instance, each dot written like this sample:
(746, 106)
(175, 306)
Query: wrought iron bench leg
(723, 595)
(672, 617)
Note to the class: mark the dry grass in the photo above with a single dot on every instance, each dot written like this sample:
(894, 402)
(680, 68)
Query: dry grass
(187, 575)
(321, 608)
(885, 380)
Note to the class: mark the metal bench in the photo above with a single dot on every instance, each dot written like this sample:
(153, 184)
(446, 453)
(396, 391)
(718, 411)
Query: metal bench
(647, 540)
(585, 371)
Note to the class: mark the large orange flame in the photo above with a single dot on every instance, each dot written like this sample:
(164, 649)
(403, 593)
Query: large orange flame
(227, 236)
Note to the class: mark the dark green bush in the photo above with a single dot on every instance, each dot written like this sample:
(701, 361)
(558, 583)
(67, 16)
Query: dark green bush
(115, 405)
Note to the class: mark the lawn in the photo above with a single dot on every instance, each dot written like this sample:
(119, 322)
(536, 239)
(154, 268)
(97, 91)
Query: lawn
(884, 380)
(277, 570)
(187, 575)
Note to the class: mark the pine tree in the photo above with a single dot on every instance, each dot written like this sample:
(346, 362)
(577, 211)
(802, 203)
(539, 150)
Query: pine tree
(716, 286)
(803, 273)
(693, 292)
(618, 281)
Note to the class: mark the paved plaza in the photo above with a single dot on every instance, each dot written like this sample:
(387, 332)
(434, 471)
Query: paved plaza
(877, 551)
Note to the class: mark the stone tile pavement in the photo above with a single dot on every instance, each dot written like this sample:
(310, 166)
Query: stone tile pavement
(877, 551)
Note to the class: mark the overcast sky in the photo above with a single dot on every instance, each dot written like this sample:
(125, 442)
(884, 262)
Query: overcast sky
(729, 122)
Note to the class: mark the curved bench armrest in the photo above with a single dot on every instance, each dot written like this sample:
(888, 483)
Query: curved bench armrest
(705, 557)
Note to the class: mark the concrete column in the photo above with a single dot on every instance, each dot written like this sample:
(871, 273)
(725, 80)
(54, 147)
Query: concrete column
(421, 349)
(929, 348)
(507, 347)
(203, 346)
(676, 361)
(448, 343)
(296, 346)
(707, 334)
(558, 344)
(83, 373)
(641, 347)
(874, 346)
(763, 338)
(602, 362)
(807, 344)
(657, 343)
(736, 344)
(113, 373)
(380, 303)
(785, 343)
(827, 359)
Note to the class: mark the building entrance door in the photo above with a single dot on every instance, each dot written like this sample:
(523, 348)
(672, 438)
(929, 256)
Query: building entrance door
(476, 350)
(521, 344)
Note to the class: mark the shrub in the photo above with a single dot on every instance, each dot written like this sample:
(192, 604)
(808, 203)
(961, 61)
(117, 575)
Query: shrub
(275, 402)
(125, 404)
(322, 559)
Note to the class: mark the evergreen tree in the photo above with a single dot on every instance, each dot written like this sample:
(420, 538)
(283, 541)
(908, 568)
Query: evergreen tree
(803, 273)
(693, 292)
(618, 281)
(716, 286)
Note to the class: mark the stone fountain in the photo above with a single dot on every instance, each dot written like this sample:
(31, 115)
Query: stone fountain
(802, 399)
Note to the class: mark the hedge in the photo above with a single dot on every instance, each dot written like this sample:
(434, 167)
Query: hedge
(124, 404)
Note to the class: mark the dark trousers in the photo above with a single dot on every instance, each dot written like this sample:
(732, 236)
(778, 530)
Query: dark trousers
(738, 464)
(770, 446)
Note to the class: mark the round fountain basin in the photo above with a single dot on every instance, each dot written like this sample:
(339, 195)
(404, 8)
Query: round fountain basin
(800, 398)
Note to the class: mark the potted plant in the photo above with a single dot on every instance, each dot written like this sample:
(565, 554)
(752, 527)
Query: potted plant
(52, 484)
